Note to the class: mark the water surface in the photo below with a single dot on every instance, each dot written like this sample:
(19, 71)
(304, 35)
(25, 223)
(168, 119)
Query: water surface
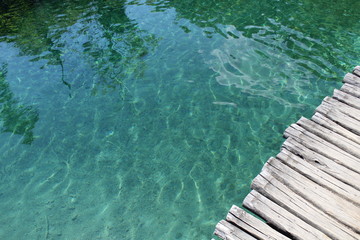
(149, 119)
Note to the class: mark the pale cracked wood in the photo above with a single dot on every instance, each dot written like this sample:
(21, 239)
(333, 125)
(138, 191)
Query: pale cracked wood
(228, 231)
(352, 79)
(351, 89)
(252, 225)
(270, 187)
(323, 163)
(317, 175)
(335, 127)
(356, 71)
(345, 120)
(281, 218)
(322, 198)
(342, 107)
(347, 98)
(331, 136)
(323, 147)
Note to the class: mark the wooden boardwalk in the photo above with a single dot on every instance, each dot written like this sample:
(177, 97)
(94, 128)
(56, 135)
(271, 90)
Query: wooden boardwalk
(311, 189)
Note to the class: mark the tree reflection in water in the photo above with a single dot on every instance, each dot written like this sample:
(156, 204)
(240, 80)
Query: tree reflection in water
(16, 118)
(108, 40)
(97, 34)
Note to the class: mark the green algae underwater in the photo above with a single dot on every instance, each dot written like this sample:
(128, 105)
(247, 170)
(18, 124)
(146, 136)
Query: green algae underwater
(149, 119)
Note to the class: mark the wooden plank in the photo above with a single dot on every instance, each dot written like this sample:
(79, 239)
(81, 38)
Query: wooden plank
(282, 219)
(347, 98)
(320, 177)
(356, 71)
(277, 192)
(325, 200)
(224, 232)
(352, 79)
(323, 163)
(342, 107)
(221, 231)
(254, 226)
(351, 89)
(333, 126)
(332, 137)
(340, 118)
(235, 231)
(323, 147)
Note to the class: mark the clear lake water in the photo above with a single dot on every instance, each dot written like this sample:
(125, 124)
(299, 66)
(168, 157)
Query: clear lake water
(149, 119)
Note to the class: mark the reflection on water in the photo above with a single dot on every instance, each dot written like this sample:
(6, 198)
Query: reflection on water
(99, 33)
(241, 62)
(15, 118)
(313, 38)
(149, 119)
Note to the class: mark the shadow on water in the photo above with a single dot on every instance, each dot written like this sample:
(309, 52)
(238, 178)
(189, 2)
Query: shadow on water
(16, 118)
(110, 42)
(114, 46)
(71, 34)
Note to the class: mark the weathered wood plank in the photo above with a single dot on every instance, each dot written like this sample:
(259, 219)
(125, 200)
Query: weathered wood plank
(323, 147)
(352, 79)
(227, 231)
(351, 89)
(319, 176)
(326, 164)
(339, 117)
(222, 232)
(280, 218)
(335, 127)
(342, 107)
(254, 226)
(273, 189)
(327, 201)
(356, 71)
(347, 98)
(332, 137)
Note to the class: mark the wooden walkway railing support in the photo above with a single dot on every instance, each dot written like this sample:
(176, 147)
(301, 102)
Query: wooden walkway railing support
(311, 189)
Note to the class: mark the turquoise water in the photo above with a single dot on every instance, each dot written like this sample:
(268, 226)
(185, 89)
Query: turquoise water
(149, 119)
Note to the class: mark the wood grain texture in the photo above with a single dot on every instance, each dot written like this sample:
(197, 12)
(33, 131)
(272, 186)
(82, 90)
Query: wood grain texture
(347, 98)
(352, 79)
(267, 185)
(331, 136)
(351, 89)
(227, 231)
(323, 163)
(335, 104)
(280, 218)
(320, 197)
(356, 71)
(254, 226)
(323, 147)
(335, 127)
(317, 175)
(343, 119)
